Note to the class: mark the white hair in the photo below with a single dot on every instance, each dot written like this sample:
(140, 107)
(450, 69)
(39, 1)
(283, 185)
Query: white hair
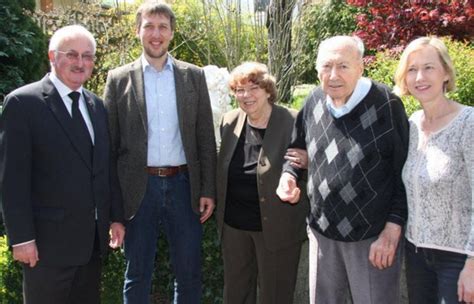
(353, 41)
(67, 32)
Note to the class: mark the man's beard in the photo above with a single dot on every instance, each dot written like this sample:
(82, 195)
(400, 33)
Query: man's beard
(153, 55)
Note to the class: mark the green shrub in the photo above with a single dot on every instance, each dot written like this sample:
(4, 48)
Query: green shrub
(10, 276)
(382, 69)
(112, 278)
(22, 47)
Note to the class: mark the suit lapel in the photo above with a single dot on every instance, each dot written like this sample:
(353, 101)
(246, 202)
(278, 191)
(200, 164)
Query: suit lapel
(138, 87)
(54, 101)
(271, 134)
(96, 125)
(232, 138)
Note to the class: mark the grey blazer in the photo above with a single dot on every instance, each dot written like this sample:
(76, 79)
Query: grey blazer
(283, 224)
(124, 99)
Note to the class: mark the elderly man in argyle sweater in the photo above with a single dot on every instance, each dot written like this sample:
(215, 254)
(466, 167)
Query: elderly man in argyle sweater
(356, 134)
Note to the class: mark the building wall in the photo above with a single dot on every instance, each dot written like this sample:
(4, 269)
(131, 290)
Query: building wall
(47, 5)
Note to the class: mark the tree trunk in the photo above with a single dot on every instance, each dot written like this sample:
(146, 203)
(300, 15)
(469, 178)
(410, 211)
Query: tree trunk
(280, 62)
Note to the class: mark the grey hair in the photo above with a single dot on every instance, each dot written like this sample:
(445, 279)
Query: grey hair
(67, 32)
(353, 41)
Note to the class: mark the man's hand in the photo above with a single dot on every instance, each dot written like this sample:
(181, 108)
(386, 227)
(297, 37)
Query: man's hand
(288, 190)
(206, 207)
(117, 233)
(298, 158)
(26, 253)
(466, 282)
(383, 250)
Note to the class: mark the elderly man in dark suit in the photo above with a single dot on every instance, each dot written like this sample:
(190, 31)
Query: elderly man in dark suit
(55, 179)
(164, 150)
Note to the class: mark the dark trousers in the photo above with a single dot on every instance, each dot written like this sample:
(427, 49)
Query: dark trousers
(432, 275)
(63, 285)
(247, 263)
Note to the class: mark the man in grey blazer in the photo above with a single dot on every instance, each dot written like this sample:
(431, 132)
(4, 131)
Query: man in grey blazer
(163, 149)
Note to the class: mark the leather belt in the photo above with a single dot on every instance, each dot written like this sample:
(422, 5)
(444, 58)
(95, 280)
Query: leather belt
(166, 171)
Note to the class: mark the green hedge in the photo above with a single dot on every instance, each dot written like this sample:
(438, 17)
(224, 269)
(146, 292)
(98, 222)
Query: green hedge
(10, 276)
(22, 47)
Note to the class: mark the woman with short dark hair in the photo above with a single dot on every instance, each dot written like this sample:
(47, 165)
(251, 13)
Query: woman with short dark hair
(261, 235)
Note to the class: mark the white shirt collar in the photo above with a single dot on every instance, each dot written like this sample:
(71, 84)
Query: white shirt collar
(63, 89)
(360, 91)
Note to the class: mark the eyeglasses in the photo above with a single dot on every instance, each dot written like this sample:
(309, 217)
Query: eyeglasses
(74, 56)
(251, 90)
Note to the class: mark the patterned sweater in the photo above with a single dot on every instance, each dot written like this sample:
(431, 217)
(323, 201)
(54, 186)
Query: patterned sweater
(439, 180)
(355, 162)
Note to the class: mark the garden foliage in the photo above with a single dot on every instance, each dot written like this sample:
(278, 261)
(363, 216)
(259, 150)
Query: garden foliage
(318, 22)
(218, 33)
(10, 276)
(22, 47)
(394, 23)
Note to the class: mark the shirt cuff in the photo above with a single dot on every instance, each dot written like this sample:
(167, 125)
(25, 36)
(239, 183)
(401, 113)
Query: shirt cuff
(24, 243)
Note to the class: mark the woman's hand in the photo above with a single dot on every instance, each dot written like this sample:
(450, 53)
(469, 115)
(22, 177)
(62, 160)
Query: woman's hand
(298, 158)
(466, 282)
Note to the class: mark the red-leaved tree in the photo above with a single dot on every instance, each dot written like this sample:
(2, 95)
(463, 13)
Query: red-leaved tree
(390, 24)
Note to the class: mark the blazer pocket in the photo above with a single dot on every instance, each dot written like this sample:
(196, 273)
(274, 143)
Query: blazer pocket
(48, 213)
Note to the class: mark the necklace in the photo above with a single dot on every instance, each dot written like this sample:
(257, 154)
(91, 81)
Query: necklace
(262, 121)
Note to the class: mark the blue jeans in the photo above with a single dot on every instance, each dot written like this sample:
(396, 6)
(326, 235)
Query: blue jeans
(166, 204)
(432, 275)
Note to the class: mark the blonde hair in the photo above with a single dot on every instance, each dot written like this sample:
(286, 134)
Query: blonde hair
(256, 73)
(417, 44)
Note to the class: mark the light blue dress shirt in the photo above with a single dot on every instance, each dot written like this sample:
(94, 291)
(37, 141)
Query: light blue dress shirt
(361, 90)
(165, 147)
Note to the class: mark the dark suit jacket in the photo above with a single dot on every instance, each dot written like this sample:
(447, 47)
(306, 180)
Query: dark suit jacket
(49, 190)
(125, 102)
(283, 224)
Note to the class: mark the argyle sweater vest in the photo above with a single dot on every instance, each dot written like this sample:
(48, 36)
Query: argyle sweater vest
(355, 162)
